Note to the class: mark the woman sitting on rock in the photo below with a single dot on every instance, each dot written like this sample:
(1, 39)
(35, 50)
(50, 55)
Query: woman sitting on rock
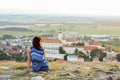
(36, 55)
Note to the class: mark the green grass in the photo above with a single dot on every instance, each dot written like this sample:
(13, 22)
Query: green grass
(113, 47)
(82, 29)
(17, 33)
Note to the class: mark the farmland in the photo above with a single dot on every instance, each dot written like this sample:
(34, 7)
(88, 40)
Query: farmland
(80, 29)
(40, 24)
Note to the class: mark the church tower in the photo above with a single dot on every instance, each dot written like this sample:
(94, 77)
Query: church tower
(60, 34)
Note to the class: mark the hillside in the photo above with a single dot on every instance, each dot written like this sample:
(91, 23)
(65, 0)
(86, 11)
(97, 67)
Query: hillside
(64, 71)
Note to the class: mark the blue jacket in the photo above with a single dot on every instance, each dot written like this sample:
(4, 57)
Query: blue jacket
(38, 61)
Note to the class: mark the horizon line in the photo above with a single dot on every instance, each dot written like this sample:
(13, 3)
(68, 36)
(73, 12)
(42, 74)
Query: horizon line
(57, 15)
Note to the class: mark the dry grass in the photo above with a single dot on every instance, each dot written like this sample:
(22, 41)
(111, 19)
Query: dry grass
(13, 64)
(58, 65)
(1, 71)
(61, 70)
(84, 68)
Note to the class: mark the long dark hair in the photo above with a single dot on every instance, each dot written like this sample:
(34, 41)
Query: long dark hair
(36, 43)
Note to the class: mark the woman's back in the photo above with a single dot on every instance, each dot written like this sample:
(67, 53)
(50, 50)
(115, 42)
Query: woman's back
(36, 55)
(38, 61)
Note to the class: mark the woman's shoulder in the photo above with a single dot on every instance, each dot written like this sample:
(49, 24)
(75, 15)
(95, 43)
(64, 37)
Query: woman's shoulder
(42, 49)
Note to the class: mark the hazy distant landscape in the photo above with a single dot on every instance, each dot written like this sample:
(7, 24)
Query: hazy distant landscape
(28, 25)
(81, 39)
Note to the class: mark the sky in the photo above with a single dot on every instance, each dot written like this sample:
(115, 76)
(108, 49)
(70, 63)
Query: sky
(62, 7)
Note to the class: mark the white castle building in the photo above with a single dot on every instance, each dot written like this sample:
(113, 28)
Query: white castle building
(51, 46)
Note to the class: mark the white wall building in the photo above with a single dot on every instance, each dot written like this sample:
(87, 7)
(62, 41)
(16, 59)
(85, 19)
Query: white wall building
(51, 47)
(74, 58)
(71, 49)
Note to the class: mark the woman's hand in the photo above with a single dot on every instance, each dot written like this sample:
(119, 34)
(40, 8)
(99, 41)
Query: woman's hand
(27, 71)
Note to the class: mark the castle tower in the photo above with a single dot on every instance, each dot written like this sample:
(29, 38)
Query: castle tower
(60, 34)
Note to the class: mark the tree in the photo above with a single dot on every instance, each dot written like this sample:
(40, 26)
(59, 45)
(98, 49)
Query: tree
(87, 37)
(61, 50)
(95, 53)
(1, 52)
(80, 44)
(103, 45)
(76, 51)
(73, 44)
(7, 37)
(18, 57)
(118, 57)
(103, 54)
(15, 48)
(98, 53)
(21, 57)
(65, 56)
(7, 43)
(81, 54)
(4, 56)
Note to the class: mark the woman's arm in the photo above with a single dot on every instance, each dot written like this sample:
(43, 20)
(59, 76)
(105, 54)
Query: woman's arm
(44, 54)
(28, 60)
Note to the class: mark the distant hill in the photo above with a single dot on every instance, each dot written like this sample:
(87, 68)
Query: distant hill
(60, 19)
(27, 25)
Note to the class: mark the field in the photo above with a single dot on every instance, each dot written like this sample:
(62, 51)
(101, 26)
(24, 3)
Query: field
(40, 24)
(65, 71)
(114, 45)
(80, 29)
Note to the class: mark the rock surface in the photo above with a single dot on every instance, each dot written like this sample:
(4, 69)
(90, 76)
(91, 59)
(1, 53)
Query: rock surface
(70, 71)
(37, 78)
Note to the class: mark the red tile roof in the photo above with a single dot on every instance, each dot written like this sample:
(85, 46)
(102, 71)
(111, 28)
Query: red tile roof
(48, 40)
(73, 46)
(95, 43)
(70, 39)
(89, 47)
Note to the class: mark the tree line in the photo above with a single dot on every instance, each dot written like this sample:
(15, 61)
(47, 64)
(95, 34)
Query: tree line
(13, 57)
